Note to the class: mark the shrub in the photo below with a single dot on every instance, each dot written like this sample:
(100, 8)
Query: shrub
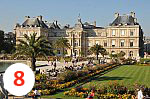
(67, 76)
(82, 73)
(78, 92)
(82, 59)
(129, 61)
(68, 59)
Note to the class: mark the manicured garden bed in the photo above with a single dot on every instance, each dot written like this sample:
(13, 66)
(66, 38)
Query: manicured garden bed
(48, 87)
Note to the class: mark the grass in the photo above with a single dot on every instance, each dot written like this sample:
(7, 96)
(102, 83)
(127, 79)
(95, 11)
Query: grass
(127, 74)
(61, 96)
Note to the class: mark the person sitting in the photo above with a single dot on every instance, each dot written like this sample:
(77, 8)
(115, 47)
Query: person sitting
(37, 94)
(91, 95)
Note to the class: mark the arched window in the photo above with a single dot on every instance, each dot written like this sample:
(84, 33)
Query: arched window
(76, 43)
(75, 53)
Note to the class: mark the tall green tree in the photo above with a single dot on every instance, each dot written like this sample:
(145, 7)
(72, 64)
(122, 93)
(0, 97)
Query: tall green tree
(97, 49)
(2, 40)
(121, 54)
(33, 47)
(62, 44)
(9, 43)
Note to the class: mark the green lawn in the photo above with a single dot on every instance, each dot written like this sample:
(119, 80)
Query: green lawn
(127, 74)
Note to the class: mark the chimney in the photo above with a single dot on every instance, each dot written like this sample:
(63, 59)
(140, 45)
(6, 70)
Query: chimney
(39, 17)
(27, 17)
(95, 23)
(56, 22)
(116, 15)
(132, 14)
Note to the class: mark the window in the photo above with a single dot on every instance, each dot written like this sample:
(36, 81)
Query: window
(113, 32)
(92, 34)
(79, 42)
(131, 43)
(75, 52)
(105, 44)
(122, 43)
(122, 32)
(131, 33)
(113, 43)
(76, 43)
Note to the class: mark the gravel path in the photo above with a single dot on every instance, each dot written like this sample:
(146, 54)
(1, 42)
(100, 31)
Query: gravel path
(44, 65)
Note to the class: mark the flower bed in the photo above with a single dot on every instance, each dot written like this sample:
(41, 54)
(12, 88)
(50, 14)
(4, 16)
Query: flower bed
(47, 87)
(113, 90)
(77, 92)
(115, 96)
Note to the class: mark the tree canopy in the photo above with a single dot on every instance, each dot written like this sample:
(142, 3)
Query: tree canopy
(97, 49)
(62, 44)
(33, 47)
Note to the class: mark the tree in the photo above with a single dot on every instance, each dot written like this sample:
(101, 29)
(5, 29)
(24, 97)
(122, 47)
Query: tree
(113, 56)
(2, 40)
(117, 56)
(121, 54)
(62, 43)
(33, 47)
(9, 42)
(97, 49)
(104, 52)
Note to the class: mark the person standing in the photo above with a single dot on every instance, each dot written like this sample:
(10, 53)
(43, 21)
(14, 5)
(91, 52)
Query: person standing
(54, 66)
(37, 94)
(4, 93)
(140, 94)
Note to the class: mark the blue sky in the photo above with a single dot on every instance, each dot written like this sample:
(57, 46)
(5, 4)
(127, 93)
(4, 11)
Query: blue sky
(67, 11)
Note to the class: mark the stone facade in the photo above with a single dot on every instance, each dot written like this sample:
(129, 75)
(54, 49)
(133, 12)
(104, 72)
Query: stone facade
(123, 34)
(147, 45)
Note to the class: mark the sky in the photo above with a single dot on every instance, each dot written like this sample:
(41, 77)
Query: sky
(67, 11)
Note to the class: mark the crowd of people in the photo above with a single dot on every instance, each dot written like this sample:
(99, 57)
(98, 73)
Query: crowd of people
(55, 70)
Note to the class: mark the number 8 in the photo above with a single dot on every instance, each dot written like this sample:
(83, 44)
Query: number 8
(19, 78)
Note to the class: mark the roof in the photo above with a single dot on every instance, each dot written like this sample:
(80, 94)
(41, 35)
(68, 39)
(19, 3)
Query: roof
(52, 25)
(91, 26)
(124, 20)
(34, 22)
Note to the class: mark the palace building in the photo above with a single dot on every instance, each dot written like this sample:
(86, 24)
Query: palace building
(123, 34)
